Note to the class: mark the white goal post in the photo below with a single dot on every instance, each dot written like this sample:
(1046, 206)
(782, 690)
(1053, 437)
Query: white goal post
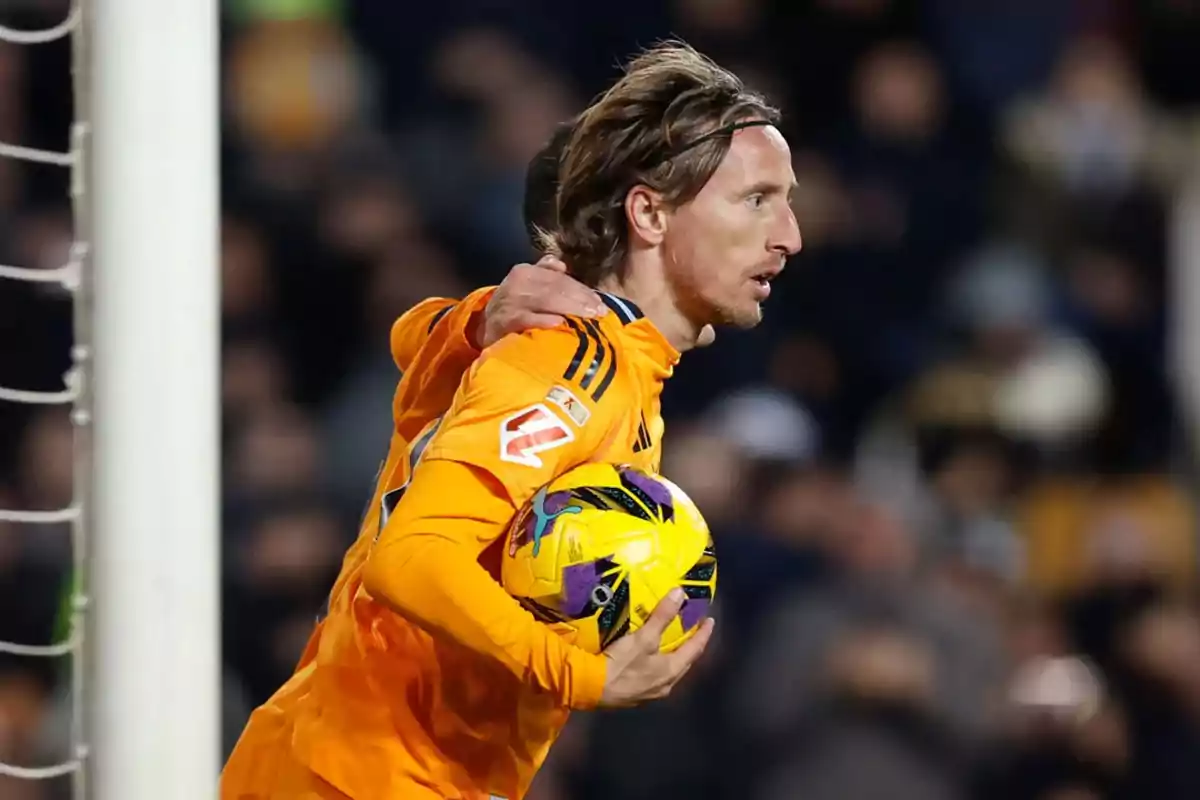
(154, 643)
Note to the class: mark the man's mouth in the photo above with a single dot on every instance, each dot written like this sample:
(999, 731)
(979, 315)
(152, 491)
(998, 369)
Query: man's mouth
(763, 279)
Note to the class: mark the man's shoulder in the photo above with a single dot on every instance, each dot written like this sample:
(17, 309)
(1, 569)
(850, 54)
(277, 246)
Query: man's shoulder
(581, 356)
(535, 404)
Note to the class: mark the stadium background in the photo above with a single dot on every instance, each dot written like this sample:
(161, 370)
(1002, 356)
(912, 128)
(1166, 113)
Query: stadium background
(954, 447)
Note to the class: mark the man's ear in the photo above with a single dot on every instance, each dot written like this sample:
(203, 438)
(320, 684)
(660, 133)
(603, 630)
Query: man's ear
(646, 215)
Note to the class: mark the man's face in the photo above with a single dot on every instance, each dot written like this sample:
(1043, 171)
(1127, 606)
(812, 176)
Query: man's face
(723, 248)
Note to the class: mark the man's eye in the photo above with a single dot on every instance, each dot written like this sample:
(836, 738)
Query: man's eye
(756, 200)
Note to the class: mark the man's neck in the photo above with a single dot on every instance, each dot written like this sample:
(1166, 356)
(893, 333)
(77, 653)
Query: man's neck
(660, 307)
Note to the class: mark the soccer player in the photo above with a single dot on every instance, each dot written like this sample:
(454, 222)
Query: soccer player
(531, 296)
(436, 340)
(455, 331)
(429, 681)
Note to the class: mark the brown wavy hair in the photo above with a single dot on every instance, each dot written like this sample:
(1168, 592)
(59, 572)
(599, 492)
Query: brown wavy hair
(666, 124)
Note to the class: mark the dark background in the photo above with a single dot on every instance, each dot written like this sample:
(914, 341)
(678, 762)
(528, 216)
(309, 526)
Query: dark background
(952, 451)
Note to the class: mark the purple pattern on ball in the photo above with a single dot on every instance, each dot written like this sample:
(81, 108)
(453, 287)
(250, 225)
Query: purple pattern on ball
(556, 502)
(578, 581)
(653, 489)
(693, 613)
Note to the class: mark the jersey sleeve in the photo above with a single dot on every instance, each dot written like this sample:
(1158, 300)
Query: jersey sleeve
(449, 321)
(515, 425)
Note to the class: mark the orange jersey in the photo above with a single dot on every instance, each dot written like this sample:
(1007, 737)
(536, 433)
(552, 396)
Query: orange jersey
(430, 680)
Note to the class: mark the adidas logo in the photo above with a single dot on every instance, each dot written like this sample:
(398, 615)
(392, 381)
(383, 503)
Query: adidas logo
(643, 437)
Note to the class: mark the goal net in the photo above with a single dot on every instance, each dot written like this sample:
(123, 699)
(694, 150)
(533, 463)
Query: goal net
(143, 683)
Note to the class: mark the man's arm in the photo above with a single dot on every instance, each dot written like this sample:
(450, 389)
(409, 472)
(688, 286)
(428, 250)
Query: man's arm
(460, 499)
(501, 441)
(458, 320)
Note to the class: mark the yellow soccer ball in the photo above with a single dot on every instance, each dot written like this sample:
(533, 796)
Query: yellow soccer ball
(593, 553)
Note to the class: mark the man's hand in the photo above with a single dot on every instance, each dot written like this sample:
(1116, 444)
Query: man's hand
(536, 296)
(637, 671)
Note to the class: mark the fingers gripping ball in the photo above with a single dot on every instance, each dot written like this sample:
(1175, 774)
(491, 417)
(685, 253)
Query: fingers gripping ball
(593, 552)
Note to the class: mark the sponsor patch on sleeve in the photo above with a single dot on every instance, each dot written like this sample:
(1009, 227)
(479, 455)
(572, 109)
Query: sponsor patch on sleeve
(572, 405)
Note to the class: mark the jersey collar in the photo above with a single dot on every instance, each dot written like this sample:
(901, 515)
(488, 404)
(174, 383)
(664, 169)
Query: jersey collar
(649, 338)
(626, 310)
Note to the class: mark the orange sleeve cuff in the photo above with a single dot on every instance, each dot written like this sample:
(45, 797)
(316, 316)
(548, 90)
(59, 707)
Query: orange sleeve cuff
(473, 309)
(457, 323)
(588, 673)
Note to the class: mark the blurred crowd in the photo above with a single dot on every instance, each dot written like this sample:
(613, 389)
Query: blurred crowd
(948, 477)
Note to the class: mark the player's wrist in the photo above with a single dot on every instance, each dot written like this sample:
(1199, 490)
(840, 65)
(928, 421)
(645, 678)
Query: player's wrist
(476, 327)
